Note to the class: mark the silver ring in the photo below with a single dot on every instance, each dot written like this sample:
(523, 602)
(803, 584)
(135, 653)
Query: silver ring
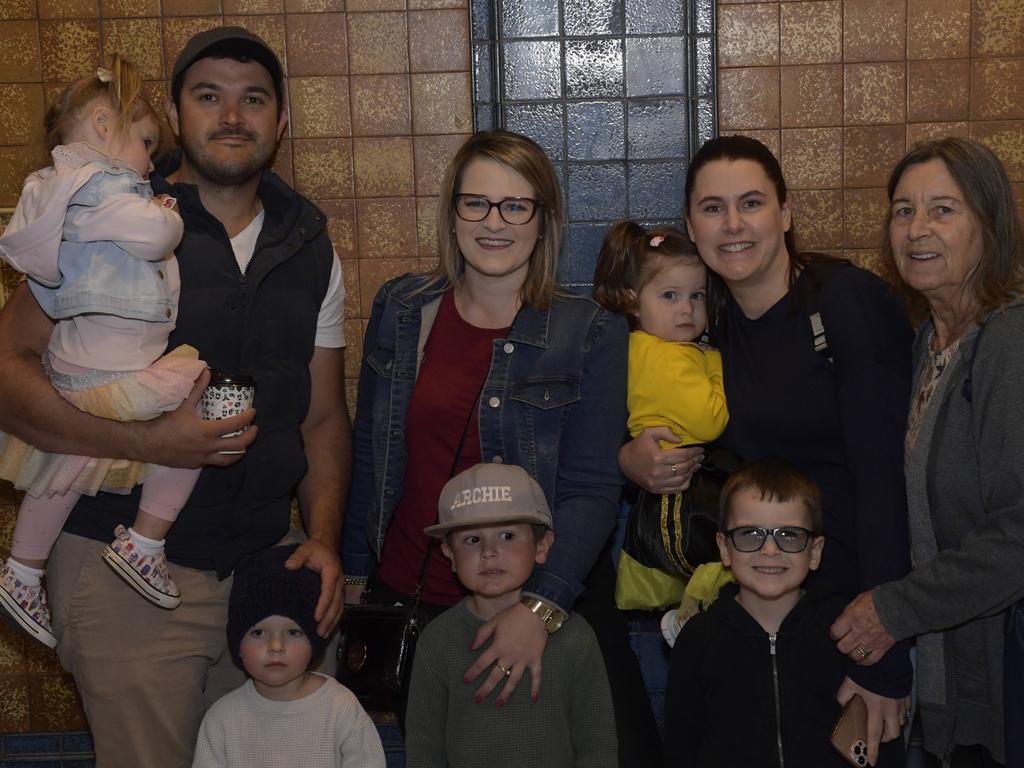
(506, 671)
(674, 468)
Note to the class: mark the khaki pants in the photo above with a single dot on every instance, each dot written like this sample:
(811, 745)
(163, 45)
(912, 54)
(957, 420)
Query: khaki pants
(146, 675)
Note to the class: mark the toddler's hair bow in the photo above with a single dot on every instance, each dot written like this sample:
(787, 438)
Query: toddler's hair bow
(656, 241)
(104, 75)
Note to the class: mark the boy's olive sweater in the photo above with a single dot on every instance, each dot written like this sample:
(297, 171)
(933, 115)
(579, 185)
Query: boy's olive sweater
(571, 724)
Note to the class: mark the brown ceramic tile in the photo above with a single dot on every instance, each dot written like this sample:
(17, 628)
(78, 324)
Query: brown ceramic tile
(155, 94)
(68, 9)
(13, 704)
(874, 30)
(9, 280)
(17, 9)
(15, 164)
(351, 388)
(341, 217)
(871, 259)
(864, 215)
(420, 5)
(771, 139)
(938, 89)
(283, 164)
(359, 6)
(70, 48)
(383, 167)
(938, 29)
(448, 33)
(812, 95)
(870, 152)
(350, 277)
(314, 6)
(813, 157)
(875, 93)
(381, 105)
(178, 31)
(248, 7)
(19, 52)
(432, 155)
(12, 650)
(817, 218)
(378, 43)
(1006, 139)
(1018, 195)
(748, 97)
(54, 704)
(811, 32)
(191, 7)
(386, 227)
(353, 352)
(135, 39)
(268, 27)
(373, 273)
(441, 103)
(997, 28)
(21, 113)
(316, 44)
(426, 227)
(748, 35)
(924, 131)
(110, 9)
(323, 167)
(319, 106)
(997, 89)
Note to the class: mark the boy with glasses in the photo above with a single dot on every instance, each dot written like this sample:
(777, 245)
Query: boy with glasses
(753, 680)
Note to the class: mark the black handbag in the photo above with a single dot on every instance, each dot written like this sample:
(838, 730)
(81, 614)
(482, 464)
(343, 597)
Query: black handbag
(376, 643)
(375, 652)
(676, 532)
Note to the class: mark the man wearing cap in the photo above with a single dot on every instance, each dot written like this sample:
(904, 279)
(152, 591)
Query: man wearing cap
(261, 294)
(494, 524)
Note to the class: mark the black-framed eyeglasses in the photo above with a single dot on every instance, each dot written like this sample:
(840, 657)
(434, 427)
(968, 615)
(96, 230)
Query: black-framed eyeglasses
(513, 210)
(790, 538)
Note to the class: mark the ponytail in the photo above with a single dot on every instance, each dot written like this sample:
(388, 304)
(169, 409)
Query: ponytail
(617, 277)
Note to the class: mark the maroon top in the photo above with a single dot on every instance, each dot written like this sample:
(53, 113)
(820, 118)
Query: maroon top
(455, 363)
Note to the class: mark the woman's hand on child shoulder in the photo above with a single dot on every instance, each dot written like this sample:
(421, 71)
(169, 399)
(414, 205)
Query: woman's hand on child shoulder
(655, 469)
(518, 644)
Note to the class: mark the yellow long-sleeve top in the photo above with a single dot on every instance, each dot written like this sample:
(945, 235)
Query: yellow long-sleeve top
(677, 385)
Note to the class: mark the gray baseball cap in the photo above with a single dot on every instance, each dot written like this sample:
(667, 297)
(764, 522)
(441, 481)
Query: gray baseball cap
(487, 494)
(213, 41)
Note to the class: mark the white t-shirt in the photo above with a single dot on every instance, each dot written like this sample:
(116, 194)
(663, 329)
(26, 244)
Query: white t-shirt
(329, 330)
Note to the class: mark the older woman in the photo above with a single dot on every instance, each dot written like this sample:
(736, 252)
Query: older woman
(956, 240)
(486, 359)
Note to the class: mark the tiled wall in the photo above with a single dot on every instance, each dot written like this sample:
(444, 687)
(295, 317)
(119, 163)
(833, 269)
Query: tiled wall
(379, 94)
(841, 88)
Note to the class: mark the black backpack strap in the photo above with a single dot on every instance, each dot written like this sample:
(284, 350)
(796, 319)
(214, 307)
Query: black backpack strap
(809, 289)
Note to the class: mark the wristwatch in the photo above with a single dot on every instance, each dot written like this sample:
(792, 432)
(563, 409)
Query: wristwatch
(551, 616)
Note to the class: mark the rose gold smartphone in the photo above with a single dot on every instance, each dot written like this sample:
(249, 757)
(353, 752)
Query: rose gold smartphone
(850, 734)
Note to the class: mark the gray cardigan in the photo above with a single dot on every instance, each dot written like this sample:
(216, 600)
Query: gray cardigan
(965, 492)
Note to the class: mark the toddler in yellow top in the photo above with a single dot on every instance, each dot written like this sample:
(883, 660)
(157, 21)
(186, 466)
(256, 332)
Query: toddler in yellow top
(658, 281)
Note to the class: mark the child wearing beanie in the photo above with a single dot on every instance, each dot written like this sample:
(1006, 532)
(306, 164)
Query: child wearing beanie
(285, 714)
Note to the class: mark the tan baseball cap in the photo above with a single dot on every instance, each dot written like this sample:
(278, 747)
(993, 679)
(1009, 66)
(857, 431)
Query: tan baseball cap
(488, 494)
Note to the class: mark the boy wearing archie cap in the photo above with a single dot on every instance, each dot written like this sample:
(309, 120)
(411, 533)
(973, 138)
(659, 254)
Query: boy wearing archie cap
(494, 525)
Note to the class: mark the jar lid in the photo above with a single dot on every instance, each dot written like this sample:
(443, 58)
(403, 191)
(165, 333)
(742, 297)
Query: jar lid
(226, 379)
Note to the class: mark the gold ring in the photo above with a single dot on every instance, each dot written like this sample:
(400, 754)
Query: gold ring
(861, 652)
(506, 671)
(674, 467)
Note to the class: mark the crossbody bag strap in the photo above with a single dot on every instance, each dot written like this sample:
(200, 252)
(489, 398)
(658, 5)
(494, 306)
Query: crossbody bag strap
(451, 473)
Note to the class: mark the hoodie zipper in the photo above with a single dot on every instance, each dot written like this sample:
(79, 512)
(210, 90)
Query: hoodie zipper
(778, 712)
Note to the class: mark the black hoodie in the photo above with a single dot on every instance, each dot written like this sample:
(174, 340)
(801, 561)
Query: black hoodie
(727, 674)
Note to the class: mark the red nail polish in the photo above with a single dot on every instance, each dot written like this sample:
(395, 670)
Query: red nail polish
(478, 698)
(465, 680)
(500, 702)
(535, 697)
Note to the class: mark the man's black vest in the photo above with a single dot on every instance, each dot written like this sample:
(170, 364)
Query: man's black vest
(261, 323)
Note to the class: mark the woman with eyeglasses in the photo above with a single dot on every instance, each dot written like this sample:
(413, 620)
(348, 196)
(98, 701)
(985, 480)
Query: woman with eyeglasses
(486, 359)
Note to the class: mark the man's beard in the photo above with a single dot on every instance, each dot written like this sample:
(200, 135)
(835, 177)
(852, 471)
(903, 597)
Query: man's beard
(228, 173)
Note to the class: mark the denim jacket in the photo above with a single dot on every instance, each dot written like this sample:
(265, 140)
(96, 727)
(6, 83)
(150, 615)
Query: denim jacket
(554, 402)
(87, 234)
